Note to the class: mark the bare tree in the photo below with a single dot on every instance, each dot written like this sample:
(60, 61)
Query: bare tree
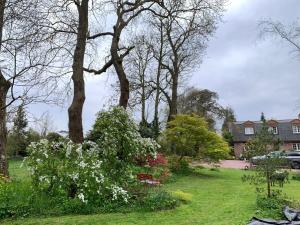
(44, 124)
(139, 70)
(187, 28)
(67, 22)
(22, 62)
(126, 12)
(29, 60)
(290, 34)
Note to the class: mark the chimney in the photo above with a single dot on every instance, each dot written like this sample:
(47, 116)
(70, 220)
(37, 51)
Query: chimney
(299, 116)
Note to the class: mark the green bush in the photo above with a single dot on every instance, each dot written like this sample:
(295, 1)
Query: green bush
(158, 200)
(271, 205)
(179, 166)
(182, 196)
(14, 199)
(296, 176)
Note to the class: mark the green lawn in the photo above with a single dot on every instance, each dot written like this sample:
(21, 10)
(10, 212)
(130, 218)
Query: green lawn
(219, 198)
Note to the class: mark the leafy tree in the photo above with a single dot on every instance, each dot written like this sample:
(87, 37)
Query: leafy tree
(188, 135)
(201, 102)
(263, 143)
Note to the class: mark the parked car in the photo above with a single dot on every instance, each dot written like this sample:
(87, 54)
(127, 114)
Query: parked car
(293, 158)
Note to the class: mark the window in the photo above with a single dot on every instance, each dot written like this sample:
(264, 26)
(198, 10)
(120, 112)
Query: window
(296, 146)
(274, 130)
(249, 130)
(296, 129)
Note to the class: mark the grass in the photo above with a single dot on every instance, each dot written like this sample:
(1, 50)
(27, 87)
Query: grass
(217, 198)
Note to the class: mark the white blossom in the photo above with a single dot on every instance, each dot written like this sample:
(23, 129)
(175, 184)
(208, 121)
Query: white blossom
(81, 197)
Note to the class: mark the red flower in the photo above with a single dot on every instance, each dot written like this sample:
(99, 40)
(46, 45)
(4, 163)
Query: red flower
(159, 160)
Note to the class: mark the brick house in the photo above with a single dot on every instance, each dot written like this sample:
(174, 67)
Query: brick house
(288, 131)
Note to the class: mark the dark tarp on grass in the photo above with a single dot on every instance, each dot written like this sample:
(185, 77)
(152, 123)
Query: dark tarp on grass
(292, 215)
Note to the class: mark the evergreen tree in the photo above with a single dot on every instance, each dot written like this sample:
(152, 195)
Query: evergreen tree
(262, 117)
(229, 117)
(19, 133)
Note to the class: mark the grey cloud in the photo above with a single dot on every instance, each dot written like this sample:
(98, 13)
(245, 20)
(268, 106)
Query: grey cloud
(252, 74)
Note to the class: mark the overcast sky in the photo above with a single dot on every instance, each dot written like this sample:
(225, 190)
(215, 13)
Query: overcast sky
(250, 74)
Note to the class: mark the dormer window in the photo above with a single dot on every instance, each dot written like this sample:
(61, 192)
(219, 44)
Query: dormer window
(296, 129)
(249, 130)
(273, 130)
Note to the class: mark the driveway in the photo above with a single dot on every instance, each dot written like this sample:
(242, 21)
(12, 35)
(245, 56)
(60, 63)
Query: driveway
(234, 164)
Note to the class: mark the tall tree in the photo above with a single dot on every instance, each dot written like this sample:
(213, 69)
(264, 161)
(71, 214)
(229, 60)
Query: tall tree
(22, 61)
(187, 28)
(4, 87)
(138, 65)
(15, 37)
(75, 110)
(126, 12)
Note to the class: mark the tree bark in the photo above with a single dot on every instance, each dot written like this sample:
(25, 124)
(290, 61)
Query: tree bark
(75, 110)
(158, 75)
(143, 98)
(118, 65)
(4, 87)
(174, 98)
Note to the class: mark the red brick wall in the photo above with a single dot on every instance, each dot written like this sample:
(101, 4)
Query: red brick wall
(238, 149)
(287, 146)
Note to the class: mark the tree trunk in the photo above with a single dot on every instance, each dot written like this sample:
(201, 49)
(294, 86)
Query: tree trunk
(156, 104)
(75, 110)
(157, 95)
(173, 106)
(268, 184)
(4, 87)
(118, 64)
(124, 83)
(143, 104)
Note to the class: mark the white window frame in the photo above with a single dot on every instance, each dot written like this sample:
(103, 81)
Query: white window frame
(296, 129)
(274, 130)
(296, 146)
(249, 130)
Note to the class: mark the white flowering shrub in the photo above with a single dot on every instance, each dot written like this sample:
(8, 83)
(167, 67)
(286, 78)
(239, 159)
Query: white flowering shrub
(73, 170)
(121, 144)
(98, 170)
